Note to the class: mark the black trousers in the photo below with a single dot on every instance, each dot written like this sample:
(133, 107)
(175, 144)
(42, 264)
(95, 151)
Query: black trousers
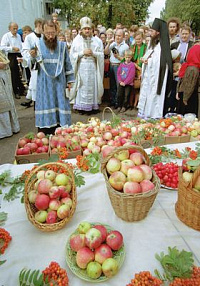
(17, 84)
(123, 95)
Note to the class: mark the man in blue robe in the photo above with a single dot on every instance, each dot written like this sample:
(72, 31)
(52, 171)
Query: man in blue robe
(52, 108)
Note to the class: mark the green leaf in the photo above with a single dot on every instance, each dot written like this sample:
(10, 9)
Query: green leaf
(2, 262)
(31, 276)
(3, 218)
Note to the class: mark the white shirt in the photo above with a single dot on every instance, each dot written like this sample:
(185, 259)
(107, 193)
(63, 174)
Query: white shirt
(9, 41)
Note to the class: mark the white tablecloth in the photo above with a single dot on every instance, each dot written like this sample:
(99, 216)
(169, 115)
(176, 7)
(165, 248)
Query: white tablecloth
(31, 248)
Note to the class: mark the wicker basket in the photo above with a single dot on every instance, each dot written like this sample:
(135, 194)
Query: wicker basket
(188, 204)
(31, 209)
(126, 206)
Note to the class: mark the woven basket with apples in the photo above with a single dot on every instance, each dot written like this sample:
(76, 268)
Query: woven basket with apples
(131, 183)
(188, 203)
(50, 196)
(95, 252)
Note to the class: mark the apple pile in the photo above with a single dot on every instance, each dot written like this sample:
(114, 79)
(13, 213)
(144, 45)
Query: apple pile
(128, 172)
(68, 141)
(38, 144)
(95, 248)
(51, 196)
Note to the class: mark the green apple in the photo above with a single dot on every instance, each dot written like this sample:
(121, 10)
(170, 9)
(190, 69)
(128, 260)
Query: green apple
(84, 227)
(187, 177)
(194, 133)
(62, 180)
(49, 174)
(40, 174)
(94, 270)
(41, 216)
(110, 267)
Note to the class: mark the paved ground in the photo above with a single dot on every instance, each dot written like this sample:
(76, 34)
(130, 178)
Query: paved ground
(27, 124)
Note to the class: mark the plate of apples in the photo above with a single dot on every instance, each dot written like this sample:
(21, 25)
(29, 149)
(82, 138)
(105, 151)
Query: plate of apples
(95, 251)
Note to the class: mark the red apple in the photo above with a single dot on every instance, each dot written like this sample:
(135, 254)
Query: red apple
(137, 158)
(125, 165)
(54, 204)
(147, 172)
(114, 239)
(84, 256)
(44, 186)
(51, 217)
(132, 188)
(22, 142)
(54, 192)
(77, 241)
(42, 202)
(102, 253)
(135, 174)
(103, 231)
(40, 135)
(147, 186)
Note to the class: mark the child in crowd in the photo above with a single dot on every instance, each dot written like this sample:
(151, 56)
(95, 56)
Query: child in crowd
(125, 77)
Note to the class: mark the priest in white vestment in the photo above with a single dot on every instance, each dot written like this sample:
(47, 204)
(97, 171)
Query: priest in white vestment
(156, 73)
(87, 60)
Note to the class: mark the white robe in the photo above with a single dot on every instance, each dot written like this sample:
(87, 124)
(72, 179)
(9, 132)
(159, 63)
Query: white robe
(31, 41)
(150, 103)
(89, 71)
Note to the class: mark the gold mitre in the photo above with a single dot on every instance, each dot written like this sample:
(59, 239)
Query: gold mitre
(85, 22)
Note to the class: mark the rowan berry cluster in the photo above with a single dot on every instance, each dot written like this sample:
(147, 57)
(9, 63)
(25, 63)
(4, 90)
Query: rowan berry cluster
(193, 281)
(55, 275)
(5, 238)
(145, 278)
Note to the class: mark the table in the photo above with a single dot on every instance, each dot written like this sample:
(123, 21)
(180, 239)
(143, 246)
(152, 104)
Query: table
(33, 249)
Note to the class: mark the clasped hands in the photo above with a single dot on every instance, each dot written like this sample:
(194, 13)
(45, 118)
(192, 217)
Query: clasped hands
(88, 52)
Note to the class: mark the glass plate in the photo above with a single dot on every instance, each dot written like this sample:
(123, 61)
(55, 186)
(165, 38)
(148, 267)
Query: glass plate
(119, 255)
(168, 188)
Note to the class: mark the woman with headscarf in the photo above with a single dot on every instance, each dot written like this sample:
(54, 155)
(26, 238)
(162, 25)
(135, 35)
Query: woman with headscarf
(187, 90)
(8, 117)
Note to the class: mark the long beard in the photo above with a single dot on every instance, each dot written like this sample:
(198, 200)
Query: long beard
(154, 41)
(51, 44)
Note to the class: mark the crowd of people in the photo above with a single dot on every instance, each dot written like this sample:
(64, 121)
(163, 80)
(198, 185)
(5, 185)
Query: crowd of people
(154, 69)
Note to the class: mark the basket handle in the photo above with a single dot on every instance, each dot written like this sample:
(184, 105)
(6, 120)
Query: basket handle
(110, 109)
(195, 176)
(40, 167)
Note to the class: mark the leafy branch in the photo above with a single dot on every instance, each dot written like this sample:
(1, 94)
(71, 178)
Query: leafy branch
(17, 186)
(175, 264)
(79, 179)
(31, 278)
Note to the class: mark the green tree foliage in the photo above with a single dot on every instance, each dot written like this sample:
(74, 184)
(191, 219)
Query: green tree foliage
(186, 10)
(105, 12)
